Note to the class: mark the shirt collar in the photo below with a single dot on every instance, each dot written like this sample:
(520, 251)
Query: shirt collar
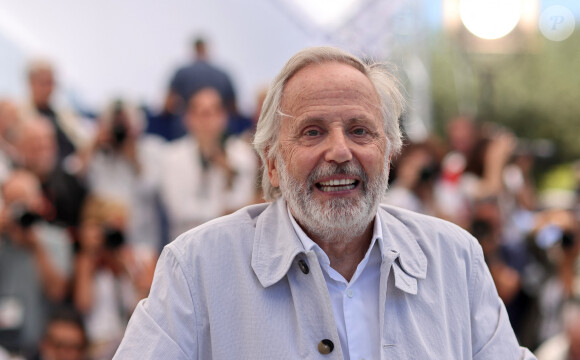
(276, 243)
(309, 244)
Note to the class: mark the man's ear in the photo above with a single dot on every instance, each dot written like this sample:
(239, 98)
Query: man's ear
(273, 171)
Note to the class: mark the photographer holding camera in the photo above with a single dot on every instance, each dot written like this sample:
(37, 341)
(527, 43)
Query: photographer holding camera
(556, 247)
(124, 165)
(206, 173)
(110, 274)
(35, 262)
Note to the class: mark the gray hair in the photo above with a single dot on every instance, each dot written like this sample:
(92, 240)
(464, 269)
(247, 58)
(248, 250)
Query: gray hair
(380, 75)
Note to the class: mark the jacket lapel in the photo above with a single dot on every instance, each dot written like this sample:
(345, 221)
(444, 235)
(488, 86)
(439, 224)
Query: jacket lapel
(398, 239)
(275, 244)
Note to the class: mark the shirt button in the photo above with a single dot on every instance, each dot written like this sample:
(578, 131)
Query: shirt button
(303, 266)
(325, 346)
(349, 293)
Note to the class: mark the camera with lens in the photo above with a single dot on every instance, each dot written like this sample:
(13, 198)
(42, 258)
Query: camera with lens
(114, 238)
(428, 173)
(553, 234)
(119, 131)
(24, 217)
(568, 240)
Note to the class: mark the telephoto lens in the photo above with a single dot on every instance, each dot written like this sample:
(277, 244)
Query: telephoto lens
(24, 217)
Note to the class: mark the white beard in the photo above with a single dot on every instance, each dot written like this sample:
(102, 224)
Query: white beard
(332, 220)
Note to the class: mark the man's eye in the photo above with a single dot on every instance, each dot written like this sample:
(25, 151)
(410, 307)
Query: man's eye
(359, 131)
(312, 132)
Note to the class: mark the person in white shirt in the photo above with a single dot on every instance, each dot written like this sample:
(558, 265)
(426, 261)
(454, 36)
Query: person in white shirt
(205, 174)
(324, 272)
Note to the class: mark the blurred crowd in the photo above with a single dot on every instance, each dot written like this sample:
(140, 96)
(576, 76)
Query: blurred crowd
(481, 176)
(88, 202)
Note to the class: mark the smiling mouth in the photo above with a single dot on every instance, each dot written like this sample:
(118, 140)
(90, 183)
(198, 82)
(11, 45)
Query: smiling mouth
(337, 185)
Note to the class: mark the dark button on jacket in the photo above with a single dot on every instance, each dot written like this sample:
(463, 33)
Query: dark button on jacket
(325, 346)
(303, 266)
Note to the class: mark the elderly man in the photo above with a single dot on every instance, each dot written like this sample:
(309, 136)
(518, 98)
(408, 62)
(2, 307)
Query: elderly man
(324, 272)
(36, 143)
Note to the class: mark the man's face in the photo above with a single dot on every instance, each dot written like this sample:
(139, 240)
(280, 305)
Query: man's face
(206, 116)
(332, 163)
(63, 341)
(39, 149)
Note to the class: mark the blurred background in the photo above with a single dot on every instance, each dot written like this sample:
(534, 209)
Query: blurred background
(101, 104)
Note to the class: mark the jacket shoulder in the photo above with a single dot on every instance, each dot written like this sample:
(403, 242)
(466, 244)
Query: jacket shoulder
(216, 237)
(429, 230)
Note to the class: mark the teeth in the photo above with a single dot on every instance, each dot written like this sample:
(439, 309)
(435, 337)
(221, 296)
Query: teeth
(336, 182)
(337, 188)
(337, 185)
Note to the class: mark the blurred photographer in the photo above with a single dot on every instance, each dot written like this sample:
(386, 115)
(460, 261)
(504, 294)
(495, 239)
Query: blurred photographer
(111, 276)
(415, 173)
(118, 130)
(124, 165)
(206, 174)
(35, 262)
(556, 244)
(63, 189)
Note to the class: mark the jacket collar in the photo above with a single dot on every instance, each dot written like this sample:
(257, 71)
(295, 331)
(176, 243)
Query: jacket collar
(399, 239)
(276, 244)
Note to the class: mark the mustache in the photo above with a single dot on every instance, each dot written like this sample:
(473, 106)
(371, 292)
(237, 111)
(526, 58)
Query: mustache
(329, 169)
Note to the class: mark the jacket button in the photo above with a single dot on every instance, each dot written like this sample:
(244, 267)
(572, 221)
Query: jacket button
(303, 266)
(325, 346)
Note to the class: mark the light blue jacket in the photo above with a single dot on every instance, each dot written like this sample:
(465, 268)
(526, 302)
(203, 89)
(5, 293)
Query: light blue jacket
(238, 288)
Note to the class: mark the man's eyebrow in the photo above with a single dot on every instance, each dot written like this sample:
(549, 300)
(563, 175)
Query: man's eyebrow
(363, 119)
(311, 120)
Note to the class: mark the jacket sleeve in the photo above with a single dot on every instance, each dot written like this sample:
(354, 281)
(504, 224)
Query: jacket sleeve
(163, 326)
(491, 333)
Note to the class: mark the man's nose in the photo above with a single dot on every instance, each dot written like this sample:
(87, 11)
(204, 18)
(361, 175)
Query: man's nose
(338, 149)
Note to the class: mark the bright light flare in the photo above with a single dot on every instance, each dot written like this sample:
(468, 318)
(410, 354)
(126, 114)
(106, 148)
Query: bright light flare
(490, 19)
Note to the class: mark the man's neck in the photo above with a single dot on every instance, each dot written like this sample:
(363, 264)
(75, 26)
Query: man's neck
(347, 252)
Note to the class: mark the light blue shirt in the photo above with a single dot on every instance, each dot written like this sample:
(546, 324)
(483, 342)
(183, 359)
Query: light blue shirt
(356, 302)
(243, 287)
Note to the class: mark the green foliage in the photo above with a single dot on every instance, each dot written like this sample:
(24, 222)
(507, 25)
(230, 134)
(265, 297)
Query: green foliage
(536, 94)
(560, 177)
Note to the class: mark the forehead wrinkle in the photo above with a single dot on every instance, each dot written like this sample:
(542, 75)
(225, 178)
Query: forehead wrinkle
(344, 96)
(327, 76)
(321, 105)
